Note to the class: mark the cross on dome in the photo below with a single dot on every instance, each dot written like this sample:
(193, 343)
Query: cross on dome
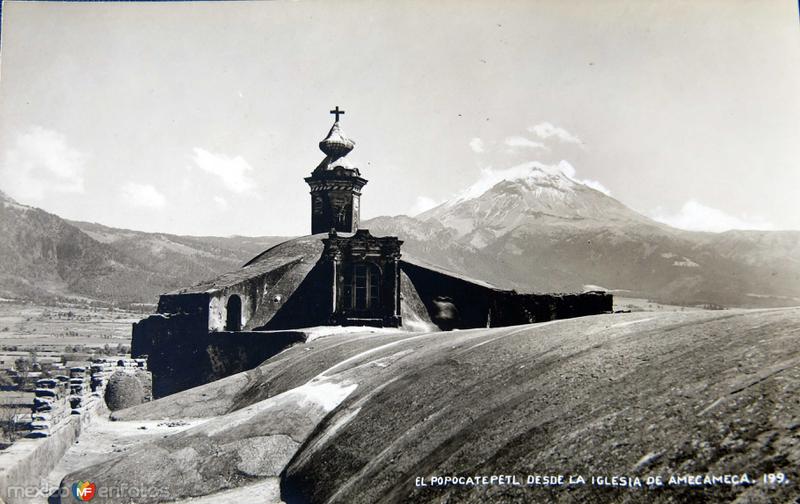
(337, 112)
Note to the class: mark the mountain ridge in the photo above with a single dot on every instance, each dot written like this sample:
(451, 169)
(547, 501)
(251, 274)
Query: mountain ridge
(45, 257)
(543, 230)
(540, 231)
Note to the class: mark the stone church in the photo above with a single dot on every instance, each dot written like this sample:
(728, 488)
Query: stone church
(340, 275)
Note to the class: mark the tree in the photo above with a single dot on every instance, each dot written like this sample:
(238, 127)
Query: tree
(5, 380)
(9, 413)
(23, 366)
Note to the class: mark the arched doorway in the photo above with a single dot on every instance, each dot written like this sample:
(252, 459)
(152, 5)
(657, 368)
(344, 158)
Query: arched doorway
(233, 321)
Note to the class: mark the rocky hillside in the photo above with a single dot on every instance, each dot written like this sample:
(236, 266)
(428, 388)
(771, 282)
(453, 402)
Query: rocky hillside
(358, 418)
(544, 231)
(43, 256)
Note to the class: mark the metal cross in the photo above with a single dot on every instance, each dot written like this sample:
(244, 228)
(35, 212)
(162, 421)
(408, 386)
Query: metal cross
(337, 112)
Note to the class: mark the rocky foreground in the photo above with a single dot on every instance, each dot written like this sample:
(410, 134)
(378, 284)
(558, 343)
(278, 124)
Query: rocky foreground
(364, 418)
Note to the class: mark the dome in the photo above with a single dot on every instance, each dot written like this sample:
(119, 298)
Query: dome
(336, 144)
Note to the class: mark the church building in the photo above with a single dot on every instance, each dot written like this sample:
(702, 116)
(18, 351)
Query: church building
(339, 275)
(365, 270)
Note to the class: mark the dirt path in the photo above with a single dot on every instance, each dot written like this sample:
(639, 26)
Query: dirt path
(102, 439)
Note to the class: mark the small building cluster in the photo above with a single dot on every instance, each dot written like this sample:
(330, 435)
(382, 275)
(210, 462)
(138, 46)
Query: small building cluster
(81, 391)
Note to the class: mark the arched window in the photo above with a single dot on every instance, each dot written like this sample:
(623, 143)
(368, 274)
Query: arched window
(362, 287)
(233, 321)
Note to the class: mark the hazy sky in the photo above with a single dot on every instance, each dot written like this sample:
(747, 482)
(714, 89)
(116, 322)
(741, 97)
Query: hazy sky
(203, 118)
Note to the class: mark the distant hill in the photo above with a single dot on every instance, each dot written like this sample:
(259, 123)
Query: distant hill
(45, 257)
(544, 231)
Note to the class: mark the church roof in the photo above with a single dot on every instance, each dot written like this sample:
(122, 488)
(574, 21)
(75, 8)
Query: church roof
(298, 256)
(306, 246)
(298, 253)
(414, 261)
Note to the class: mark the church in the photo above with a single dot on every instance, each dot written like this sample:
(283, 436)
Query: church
(339, 275)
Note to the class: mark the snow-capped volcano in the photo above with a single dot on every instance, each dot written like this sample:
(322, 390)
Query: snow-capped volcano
(506, 199)
(540, 227)
(560, 177)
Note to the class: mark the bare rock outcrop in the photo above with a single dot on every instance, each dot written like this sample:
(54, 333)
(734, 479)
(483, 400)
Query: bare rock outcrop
(357, 418)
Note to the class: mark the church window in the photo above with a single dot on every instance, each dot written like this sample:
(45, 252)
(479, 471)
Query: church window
(362, 287)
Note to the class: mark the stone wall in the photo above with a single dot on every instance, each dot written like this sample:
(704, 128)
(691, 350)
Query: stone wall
(458, 303)
(308, 305)
(182, 354)
(511, 308)
(262, 297)
(50, 406)
(470, 300)
(62, 407)
(63, 395)
(26, 463)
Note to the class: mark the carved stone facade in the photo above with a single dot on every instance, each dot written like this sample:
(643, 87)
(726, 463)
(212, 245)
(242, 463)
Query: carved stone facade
(365, 277)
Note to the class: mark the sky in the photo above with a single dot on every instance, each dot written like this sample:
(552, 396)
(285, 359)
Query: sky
(203, 118)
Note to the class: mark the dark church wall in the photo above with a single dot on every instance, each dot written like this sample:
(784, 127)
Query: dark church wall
(454, 303)
(167, 340)
(436, 290)
(511, 308)
(182, 353)
(309, 304)
(189, 304)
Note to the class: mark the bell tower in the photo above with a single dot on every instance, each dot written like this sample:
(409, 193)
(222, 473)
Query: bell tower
(335, 185)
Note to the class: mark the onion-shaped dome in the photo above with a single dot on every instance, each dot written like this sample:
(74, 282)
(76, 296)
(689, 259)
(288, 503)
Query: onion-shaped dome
(336, 144)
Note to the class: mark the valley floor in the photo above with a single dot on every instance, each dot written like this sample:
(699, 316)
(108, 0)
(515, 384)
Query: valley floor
(52, 328)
